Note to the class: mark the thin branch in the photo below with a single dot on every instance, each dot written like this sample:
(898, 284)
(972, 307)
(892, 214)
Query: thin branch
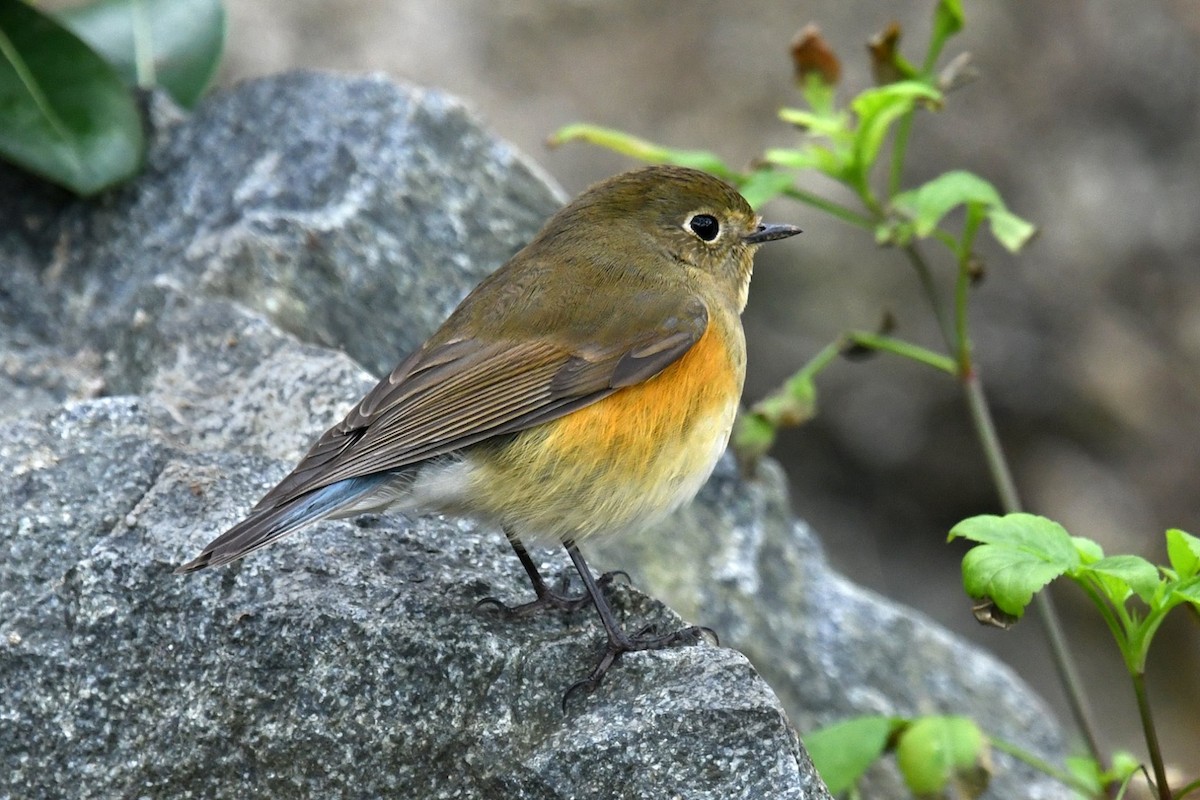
(1151, 734)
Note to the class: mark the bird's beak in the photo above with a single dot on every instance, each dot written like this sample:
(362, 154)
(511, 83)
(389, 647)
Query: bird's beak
(769, 233)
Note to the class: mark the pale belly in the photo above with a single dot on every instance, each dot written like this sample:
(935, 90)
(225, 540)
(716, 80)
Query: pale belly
(610, 467)
(584, 492)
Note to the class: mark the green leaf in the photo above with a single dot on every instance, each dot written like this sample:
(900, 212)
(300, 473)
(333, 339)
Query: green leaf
(932, 752)
(894, 232)
(1088, 772)
(948, 20)
(927, 204)
(833, 158)
(1011, 231)
(832, 125)
(1183, 550)
(819, 93)
(1019, 554)
(794, 404)
(641, 149)
(1125, 573)
(1089, 552)
(67, 116)
(1010, 577)
(763, 185)
(842, 752)
(1027, 531)
(1189, 591)
(753, 435)
(175, 44)
(830, 161)
(877, 109)
(1124, 764)
(793, 158)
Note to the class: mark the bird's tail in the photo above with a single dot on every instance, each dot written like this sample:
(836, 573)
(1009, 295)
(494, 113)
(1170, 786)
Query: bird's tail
(265, 525)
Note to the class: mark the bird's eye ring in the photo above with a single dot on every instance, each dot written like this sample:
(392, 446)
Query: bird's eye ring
(705, 226)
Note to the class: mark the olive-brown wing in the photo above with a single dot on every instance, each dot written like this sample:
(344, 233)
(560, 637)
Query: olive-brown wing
(464, 391)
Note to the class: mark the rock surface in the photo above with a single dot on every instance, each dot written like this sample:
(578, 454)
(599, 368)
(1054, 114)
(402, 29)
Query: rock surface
(351, 666)
(346, 211)
(291, 214)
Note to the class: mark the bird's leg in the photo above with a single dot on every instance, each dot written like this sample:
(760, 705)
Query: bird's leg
(545, 597)
(620, 642)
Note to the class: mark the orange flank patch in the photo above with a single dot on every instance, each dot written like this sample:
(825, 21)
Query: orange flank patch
(621, 462)
(636, 421)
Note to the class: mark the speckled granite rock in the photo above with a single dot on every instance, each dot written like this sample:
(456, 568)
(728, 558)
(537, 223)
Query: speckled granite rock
(352, 663)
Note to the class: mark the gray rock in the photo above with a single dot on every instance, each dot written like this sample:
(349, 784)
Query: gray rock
(739, 562)
(350, 664)
(350, 661)
(286, 215)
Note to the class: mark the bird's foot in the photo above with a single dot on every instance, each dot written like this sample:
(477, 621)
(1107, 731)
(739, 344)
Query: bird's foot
(548, 598)
(620, 643)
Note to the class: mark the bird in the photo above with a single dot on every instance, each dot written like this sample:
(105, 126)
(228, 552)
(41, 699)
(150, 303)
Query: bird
(585, 388)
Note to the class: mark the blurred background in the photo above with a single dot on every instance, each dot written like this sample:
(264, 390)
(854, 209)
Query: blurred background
(1086, 116)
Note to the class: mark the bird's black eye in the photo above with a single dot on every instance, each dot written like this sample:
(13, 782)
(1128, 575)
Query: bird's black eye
(705, 226)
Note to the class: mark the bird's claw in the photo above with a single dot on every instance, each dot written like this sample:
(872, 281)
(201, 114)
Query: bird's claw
(622, 643)
(548, 598)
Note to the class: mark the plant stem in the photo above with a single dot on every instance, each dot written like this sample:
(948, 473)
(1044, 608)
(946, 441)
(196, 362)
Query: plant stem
(1156, 759)
(1040, 764)
(953, 330)
(899, 347)
(1185, 791)
(899, 148)
(985, 429)
(1010, 501)
(143, 45)
(925, 275)
(830, 207)
(1068, 673)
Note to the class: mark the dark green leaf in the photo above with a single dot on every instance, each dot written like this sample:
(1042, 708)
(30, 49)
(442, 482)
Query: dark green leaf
(1183, 550)
(843, 752)
(935, 752)
(66, 114)
(175, 44)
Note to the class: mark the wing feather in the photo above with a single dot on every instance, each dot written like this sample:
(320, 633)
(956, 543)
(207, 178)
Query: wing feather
(460, 392)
